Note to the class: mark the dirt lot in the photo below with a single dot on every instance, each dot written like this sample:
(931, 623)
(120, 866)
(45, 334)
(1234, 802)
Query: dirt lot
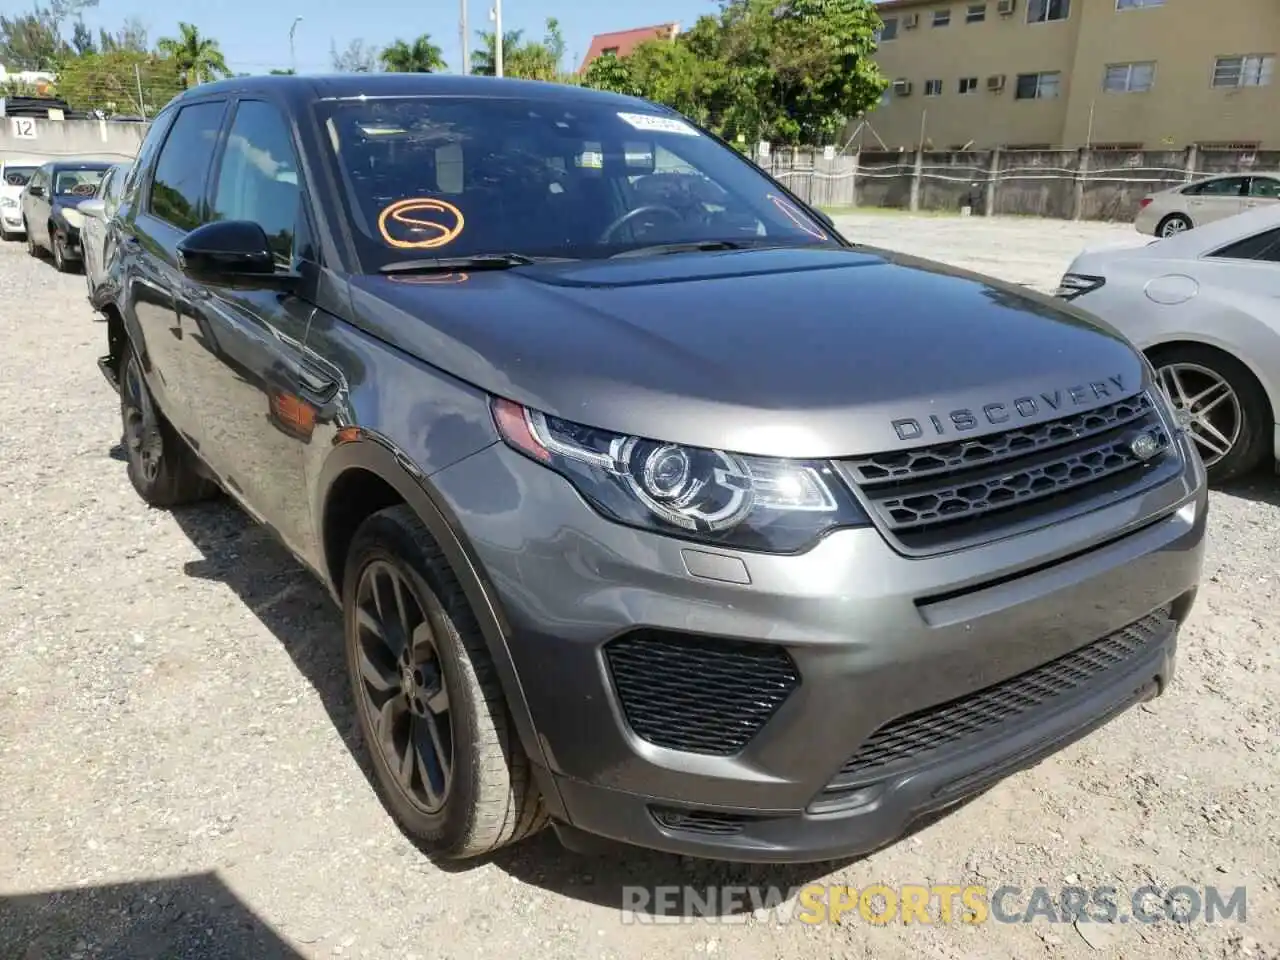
(176, 777)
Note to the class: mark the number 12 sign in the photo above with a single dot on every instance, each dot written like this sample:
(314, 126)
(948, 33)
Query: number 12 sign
(24, 128)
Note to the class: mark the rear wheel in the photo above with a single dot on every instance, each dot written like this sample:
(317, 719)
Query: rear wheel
(33, 248)
(448, 763)
(1220, 404)
(161, 468)
(1172, 225)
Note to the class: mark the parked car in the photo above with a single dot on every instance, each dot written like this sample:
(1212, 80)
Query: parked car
(49, 202)
(1173, 211)
(1202, 307)
(687, 525)
(13, 178)
(97, 234)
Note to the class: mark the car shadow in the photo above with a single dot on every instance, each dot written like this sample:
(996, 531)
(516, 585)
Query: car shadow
(195, 915)
(295, 608)
(1260, 486)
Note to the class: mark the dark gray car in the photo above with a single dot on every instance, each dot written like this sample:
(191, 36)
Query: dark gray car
(655, 508)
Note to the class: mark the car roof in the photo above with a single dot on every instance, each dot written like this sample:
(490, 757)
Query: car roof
(341, 86)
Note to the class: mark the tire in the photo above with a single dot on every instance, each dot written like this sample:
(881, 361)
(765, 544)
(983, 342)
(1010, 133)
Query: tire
(60, 261)
(33, 248)
(490, 797)
(1172, 225)
(162, 467)
(1251, 443)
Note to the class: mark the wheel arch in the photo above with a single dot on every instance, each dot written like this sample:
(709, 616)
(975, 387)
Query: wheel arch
(363, 475)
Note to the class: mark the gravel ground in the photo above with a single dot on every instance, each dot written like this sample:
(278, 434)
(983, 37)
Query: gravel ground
(177, 778)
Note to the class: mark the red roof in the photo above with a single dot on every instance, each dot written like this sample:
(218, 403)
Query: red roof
(623, 42)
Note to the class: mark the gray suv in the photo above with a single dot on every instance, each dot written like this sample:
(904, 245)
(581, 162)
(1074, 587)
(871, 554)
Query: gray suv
(656, 510)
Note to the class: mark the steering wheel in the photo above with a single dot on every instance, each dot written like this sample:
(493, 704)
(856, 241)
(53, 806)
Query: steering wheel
(630, 215)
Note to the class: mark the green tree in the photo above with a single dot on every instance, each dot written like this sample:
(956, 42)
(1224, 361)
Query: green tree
(527, 60)
(132, 37)
(420, 56)
(609, 72)
(31, 41)
(120, 82)
(198, 59)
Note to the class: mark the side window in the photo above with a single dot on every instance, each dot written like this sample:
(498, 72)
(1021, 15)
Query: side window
(1261, 246)
(1226, 187)
(1265, 187)
(147, 152)
(258, 179)
(178, 187)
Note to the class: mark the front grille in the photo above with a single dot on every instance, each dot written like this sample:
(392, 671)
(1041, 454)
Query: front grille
(696, 694)
(918, 737)
(966, 492)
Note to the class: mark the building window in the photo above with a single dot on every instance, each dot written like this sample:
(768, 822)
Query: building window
(1038, 86)
(889, 31)
(1129, 77)
(608, 50)
(1253, 70)
(1137, 4)
(1118, 147)
(1042, 11)
(941, 17)
(933, 88)
(968, 84)
(976, 13)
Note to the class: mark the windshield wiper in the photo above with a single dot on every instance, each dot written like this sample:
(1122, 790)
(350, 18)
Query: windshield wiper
(480, 261)
(691, 246)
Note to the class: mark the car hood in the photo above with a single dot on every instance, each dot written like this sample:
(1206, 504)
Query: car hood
(785, 352)
(9, 191)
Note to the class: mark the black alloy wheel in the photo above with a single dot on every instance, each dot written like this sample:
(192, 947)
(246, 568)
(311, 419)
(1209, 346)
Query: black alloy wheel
(143, 439)
(403, 686)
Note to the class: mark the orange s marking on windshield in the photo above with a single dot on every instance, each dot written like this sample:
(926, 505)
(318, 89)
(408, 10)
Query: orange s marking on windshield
(795, 216)
(441, 221)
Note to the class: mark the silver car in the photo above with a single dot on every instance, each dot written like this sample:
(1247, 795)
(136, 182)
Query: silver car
(1178, 209)
(95, 235)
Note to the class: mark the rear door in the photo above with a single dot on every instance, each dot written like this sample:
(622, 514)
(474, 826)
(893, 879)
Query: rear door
(172, 203)
(1216, 199)
(1264, 191)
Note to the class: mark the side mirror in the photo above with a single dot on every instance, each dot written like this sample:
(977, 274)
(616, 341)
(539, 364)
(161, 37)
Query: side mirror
(93, 207)
(35, 191)
(228, 251)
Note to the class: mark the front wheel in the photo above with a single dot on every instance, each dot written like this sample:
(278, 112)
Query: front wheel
(448, 763)
(1173, 225)
(60, 261)
(33, 248)
(1220, 404)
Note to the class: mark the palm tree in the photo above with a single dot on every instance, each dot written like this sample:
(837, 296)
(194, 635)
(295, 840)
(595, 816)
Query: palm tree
(484, 60)
(198, 59)
(422, 56)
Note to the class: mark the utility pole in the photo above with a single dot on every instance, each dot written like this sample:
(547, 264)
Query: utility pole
(463, 32)
(496, 16)
(293, 59)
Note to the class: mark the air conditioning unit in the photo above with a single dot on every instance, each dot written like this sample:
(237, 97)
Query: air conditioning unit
(995, 82)
(902, 88)
(1006, 7)
(911, 20)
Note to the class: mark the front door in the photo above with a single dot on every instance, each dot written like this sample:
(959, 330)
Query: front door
(243, 347)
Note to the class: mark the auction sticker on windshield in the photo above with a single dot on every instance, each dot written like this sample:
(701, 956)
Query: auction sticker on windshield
(650, 123)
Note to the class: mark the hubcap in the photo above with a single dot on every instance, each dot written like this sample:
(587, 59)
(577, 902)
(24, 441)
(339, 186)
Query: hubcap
(402, 685)
(1174, 227)
(1205, 406)
(141, 428)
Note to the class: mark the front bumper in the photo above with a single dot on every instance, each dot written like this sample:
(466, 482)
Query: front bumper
(12, 220)
(759, 678)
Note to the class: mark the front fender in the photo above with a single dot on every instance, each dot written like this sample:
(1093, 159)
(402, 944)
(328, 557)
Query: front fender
(359, 449)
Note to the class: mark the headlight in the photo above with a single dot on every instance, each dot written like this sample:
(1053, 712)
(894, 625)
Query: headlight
(750, 503)
(8, 202)
(1074, 285)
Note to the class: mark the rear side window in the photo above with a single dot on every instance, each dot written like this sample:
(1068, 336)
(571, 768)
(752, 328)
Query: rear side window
(1226, 187)
(1261, 246)
(182, 172)
(258, 179)
(1264, 187)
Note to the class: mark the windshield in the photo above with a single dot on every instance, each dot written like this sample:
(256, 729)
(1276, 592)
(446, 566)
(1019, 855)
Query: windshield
(456, 177)
(77, 183)
(18, 176)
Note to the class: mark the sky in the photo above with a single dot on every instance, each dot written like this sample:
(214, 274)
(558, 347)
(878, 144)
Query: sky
(254, 34)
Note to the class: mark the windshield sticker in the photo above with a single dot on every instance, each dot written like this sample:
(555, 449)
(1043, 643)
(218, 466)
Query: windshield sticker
(792, 213)
(651, 123)
(430, 222)
(428, 279)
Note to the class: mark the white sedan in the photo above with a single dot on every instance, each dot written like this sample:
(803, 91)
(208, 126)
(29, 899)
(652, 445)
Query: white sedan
(1172, 211)
(1204, 306)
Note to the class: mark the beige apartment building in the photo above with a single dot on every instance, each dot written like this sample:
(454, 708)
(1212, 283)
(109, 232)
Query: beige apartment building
(1119, 74)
